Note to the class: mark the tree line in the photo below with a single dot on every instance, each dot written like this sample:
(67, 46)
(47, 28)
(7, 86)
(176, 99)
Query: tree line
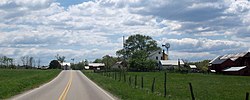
(27, 62)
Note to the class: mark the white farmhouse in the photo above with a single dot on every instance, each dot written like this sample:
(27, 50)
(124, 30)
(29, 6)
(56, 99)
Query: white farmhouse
(158, 55)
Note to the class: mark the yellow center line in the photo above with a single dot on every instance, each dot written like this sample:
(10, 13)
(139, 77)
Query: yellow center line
(66, 89)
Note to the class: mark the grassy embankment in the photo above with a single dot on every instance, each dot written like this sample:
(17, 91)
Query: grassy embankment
(13, 82)
(205, 86)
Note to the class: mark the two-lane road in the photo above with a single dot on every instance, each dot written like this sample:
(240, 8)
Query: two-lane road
(68, 85)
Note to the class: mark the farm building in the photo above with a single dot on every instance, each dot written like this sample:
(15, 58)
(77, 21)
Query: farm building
(192, 66)
(65, 65)
(119, 65)
(235, 64)
(171, 64)
(158, 55)
(96, 66)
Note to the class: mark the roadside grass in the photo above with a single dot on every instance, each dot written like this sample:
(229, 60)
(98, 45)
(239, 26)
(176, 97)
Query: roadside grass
(205, 86)
(16, 81)
(120, 89)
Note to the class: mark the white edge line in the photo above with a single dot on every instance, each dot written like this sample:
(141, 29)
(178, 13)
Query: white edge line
(99, 87)
(35, 89)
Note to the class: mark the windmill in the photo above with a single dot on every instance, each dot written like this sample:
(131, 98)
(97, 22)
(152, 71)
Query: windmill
(167, 46)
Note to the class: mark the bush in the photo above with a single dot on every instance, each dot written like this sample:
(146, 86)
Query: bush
(141, 65)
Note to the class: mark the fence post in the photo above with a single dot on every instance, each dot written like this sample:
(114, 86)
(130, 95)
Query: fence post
(165, 84)
(153, 86)
(135, 80)
(247, 96)
(115, 75)
(124, 76)
(142, 82)
(191, 90)
(129, 80)
(120, 76)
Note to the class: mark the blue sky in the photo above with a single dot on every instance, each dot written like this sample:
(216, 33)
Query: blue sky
(89, 29)
(67, 3)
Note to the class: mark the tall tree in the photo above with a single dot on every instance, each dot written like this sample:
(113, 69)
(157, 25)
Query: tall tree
(109, 61)
(86, 62)
(137, 49)
(23, 60)
(98, 61)
(31, 61)
(61, 59)
(54, 64)
(38, 62)
(138, 43)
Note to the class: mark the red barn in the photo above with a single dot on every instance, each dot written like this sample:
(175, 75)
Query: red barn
(236, 64)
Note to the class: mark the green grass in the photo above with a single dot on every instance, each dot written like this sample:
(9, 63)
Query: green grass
(205, 86)
(13, 82)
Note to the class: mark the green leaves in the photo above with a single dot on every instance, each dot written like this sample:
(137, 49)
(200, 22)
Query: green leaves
(138, 43)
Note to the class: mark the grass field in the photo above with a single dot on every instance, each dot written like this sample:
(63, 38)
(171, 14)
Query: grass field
(13, 82)
(205, 86)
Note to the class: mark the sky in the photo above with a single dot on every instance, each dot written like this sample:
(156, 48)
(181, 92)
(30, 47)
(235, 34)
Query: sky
(89, 29)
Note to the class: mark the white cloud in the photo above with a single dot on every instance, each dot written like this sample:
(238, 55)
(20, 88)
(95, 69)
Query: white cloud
(205, 45)
(94, 28)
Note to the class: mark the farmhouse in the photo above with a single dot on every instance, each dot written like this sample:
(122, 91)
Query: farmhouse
(96, 66)
(235, 64)
(158, 55)
(171, 64)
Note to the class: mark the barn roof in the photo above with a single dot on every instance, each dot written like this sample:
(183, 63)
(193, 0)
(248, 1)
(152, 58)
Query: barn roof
(233, 57)
(231, 69)
(217, 60)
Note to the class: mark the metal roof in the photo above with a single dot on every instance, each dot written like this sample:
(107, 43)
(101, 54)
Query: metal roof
(96, 64)
(192, 66)
(234, 56)
(231, 69)
(217, 60)
(171, 62)
(154, 52)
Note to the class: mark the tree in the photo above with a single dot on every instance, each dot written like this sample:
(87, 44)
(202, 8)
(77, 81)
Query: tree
(98, 61)
(139, 62)
(138, 43)
(23, 60)
(78, 66)
(86, 62)
(1, 61)
(61, 59)
(6, 62)
(137, 49)
(201, 65)
(109, 61)
(54, 64)
(38, 62)
(27, 61)
(31, 61)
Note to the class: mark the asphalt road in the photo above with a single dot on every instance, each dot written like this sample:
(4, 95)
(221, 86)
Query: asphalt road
(68, 85)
